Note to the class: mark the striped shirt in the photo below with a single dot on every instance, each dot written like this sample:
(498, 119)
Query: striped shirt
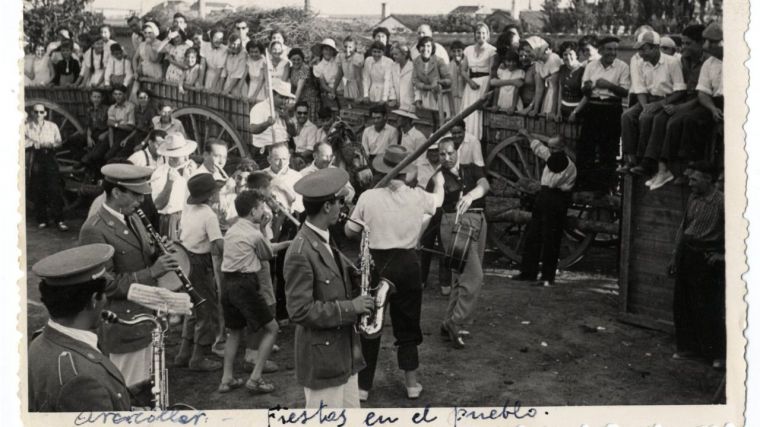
(704, 219)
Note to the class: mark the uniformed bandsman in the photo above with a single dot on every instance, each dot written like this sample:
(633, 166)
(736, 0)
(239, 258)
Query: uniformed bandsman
(136, 260)
(394, 217)
(67, 371)
(320, 299)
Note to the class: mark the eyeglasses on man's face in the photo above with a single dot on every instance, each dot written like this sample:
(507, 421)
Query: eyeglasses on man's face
(40, 112)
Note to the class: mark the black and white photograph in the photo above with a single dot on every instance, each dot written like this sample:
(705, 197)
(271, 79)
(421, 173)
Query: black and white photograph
(323, 205)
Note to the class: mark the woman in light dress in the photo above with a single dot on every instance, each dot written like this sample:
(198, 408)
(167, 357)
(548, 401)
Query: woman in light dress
(38, 69)
(149, 54)
(328, 73)
(376, 74)
(402, 87)
(255, 64)
(351, 63)
(479, 57)
(175, 47)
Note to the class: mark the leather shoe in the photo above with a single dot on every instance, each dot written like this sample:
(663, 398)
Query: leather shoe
(456, 339)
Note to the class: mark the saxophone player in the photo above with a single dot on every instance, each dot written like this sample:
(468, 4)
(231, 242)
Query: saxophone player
(394, 217)
(67, 371)
(136, 259)
(320, 298)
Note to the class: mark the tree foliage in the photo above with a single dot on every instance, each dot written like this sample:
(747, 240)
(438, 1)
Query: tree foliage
(45, 16)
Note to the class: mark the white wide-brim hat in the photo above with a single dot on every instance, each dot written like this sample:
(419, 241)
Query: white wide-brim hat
(176, 145)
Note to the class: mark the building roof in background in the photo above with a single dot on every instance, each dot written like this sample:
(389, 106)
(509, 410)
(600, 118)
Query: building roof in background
(471, 10)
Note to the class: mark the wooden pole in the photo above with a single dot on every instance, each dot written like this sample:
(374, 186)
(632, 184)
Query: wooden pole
(271, 91)
(435, 136)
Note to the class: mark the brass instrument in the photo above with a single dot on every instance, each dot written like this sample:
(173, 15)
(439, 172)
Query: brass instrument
(194, 295)
(371, 325)
(283, 210)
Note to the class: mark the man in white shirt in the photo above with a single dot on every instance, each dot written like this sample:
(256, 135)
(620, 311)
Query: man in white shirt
(169, 182)
(606, 81)
(659, 82)
(148, 156)
(267, 130)
(468, 146)
(282, 187)
(42, 138)
(394, 217)
(376, 138)
(411, 138)
(305, 132)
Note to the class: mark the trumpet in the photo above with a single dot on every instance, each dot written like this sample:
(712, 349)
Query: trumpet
(194, 295)
(283, 210)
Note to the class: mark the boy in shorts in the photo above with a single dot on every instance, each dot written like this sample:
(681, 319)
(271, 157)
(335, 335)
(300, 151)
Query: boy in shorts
(245, 249)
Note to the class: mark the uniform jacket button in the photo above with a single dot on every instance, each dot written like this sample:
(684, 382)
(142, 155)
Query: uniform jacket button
(118, 395)
(327, 342)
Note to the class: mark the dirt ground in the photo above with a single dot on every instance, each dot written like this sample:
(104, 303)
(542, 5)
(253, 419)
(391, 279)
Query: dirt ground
(542, 346)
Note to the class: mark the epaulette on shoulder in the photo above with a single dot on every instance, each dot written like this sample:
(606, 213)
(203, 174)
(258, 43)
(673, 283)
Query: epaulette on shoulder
(67, 368)
(299, 244)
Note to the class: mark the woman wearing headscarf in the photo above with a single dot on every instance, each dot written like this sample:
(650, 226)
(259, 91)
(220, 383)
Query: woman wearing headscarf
(548, 64)
(479, 57)
(148, 58)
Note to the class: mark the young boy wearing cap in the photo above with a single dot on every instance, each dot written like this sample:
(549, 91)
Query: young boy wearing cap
(202, 238)
(245, 249)
(67, 371)
(544, 232)
(118, 67)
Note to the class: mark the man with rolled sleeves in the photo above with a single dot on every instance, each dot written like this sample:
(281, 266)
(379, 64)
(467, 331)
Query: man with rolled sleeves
(657, 81)
(67, 371)
(465, 188)
(136, 260)
(394, 217)
(320, 299)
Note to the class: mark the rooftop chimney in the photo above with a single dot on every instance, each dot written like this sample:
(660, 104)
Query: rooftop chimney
(382, 10)
(306, 6)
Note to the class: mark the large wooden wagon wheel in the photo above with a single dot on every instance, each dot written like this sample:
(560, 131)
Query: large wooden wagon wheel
(78, 184)
(202, 124)
(515, 174)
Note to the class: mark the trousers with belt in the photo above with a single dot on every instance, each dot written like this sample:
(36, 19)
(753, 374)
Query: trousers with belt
(544, 233)
(402, 267)
(46, 186)
(466, 286)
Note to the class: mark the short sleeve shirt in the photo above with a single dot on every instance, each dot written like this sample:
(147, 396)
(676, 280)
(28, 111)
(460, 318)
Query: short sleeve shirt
(245, 248)
(660, 79)
(122, 114)
(394, 215)
(413, 140)
(711, 77)
(375, 142)
(617, 73)
(200, 227)
(460, 182)
(260, 113)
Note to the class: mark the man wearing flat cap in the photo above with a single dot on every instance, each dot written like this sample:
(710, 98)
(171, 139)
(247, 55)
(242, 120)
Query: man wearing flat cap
(136, 260)
(320, 298)
(393, 215)
(67, 371)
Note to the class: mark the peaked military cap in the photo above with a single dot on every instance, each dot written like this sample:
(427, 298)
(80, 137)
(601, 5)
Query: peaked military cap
(321, 185)
(135, 178)
(74, 266)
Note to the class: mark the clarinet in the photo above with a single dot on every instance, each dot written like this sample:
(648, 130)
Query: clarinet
(194, 295)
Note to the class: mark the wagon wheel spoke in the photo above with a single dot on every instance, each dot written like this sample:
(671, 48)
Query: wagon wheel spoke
(523, 160)
(510, 165)
(205, 130)
(194, 125)
(63, 123)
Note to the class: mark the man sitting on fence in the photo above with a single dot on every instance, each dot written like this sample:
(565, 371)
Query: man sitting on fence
(658, 82)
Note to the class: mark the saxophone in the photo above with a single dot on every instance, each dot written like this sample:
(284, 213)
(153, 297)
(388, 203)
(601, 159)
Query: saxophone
(371, 325)
(159, 374)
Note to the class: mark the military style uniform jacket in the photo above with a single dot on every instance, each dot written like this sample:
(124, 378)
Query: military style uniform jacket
(132, 257)
(67, 375)
(327, 349)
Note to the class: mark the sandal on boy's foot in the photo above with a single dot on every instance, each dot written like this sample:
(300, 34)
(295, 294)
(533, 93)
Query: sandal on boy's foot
(259, 386)
(231, 385)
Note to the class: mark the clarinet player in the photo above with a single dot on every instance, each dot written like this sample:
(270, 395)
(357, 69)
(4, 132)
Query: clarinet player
(393, 215)
(320, 298)
(136, 259)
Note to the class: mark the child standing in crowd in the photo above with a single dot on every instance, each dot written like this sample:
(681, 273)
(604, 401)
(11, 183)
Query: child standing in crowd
(328, 72)
(245, 248)
(509, 78)
(201, 236)
(256, 72)
(458, 70)
(351, 63)
(118, 68)
(93, 67)
(192, 76)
